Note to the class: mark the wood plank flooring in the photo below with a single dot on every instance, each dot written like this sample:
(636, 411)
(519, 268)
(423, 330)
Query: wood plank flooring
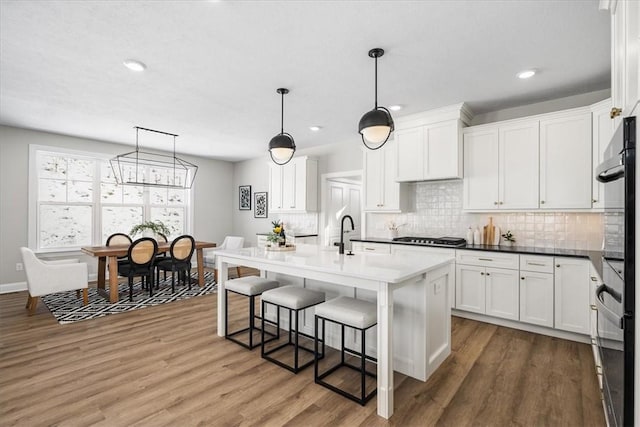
(165, 366)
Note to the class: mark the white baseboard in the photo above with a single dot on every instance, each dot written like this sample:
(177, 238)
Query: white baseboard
(571, 336)
(6, 288)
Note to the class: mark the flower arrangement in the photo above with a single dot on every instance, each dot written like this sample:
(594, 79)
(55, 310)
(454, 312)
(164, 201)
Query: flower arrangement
(508, 237)
(157, 227)
(392, 226)
(277, 235)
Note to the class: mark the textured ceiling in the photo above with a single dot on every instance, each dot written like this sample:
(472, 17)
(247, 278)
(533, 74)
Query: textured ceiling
(214, 67)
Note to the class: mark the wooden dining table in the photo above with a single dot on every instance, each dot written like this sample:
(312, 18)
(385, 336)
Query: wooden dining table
(108, 255)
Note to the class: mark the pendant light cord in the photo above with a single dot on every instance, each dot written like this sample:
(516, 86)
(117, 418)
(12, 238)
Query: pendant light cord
(376, 83)
(282, 113)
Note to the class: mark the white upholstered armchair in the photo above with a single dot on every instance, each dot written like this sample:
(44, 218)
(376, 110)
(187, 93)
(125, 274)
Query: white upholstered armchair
(229, 242)
(50, 277)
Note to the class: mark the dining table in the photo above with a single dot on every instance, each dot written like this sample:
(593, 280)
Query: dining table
(108, 256)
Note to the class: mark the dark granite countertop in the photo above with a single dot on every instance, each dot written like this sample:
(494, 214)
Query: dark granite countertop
(594, 256)
(294, 234)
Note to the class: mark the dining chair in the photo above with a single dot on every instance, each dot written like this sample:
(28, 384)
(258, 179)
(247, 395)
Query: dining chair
(160, 238)
(50, 277)
(179, 259)
(119, 239)
(141, 255)
(229, 242)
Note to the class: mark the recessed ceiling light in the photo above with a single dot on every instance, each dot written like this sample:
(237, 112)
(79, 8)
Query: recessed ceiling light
(315, 128)
(526, 74)
(134, 65)
(395, 107)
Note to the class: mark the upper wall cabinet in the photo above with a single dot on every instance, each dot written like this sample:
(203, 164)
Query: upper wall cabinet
(429, 144)
(602, 131)
(381, 192)
(294, 187)
(541, 162)
(565, 161)
(625, 56)
(501, 167)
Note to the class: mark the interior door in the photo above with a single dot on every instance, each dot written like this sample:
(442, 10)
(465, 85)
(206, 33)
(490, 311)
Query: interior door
(344, 198)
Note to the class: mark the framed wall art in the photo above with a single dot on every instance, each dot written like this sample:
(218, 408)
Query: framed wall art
(260, 209)
(245, 197)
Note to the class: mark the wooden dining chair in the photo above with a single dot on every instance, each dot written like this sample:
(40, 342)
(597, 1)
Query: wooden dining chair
(117, 239)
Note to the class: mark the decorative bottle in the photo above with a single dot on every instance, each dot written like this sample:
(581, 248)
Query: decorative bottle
(470, 236)
(283, 238)
(476, 237)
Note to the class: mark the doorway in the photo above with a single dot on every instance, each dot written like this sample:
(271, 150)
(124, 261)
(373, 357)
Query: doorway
(340, 195)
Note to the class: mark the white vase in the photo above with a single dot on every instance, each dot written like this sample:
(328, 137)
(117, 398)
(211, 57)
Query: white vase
(392, 233)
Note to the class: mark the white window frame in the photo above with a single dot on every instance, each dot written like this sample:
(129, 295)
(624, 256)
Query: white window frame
(96, 235)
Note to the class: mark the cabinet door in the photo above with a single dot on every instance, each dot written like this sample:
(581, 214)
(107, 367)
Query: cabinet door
(275, 188)
(480, 183)
(373, 176)
(289, 185)
(470, 288)
(410, 145)
(602, 132)
(565, 162)
(390, 188)
(625, 72)
(502, 293)
(519, 166)
(572, 285)
(442, 152)
(536, 298)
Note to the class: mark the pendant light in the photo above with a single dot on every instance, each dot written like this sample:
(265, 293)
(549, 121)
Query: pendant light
(376, 125)
(282, 146)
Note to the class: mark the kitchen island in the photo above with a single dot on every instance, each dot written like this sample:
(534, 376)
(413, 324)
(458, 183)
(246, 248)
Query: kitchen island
(420, 286)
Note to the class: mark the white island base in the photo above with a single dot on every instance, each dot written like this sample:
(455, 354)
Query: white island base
(413, 335)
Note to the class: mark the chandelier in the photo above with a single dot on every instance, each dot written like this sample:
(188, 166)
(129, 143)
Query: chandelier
(152, 169)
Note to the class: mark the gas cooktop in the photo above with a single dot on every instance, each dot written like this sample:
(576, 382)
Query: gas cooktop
(453, 242)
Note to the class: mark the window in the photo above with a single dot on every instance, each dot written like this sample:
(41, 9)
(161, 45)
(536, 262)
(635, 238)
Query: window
(75, 201)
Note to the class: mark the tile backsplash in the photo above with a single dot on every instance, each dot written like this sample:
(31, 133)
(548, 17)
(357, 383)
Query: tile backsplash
(299, 222)
(438, 212)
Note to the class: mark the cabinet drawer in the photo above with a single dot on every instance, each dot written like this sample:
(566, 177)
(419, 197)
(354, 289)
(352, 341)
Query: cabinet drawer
(487, 259)
(541, 264)
(380, 248)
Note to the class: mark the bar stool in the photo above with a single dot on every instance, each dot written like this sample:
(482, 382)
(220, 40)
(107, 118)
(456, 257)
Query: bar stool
(295, 300)
(356, 314)
(250, 286)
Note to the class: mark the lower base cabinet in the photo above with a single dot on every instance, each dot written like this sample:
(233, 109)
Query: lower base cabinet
(572, 300)
(470, 288)
(485, 290)
(536, 298)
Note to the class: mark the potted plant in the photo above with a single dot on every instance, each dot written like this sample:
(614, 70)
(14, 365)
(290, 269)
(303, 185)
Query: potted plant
(150, 229)
(277, 237)
(509, 238)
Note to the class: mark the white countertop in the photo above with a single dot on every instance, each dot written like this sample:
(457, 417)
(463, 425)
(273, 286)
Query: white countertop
(380, 267)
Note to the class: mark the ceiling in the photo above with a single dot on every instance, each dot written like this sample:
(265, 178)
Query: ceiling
(214, 66)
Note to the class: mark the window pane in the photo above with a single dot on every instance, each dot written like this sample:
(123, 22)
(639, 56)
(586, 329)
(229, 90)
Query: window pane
(81, 169)
(52, 166)
(52, 190)
(157, 196)
(65, 226)
(106, 173)
(133, 194)
(110, 193)
(171, 217)
(119, 219)
(80, 191)
(176, 197)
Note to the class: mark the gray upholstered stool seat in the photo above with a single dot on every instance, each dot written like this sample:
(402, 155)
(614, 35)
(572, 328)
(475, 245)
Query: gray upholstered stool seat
(353, 313)
(349, 311)
(294, 299)
(250, 286)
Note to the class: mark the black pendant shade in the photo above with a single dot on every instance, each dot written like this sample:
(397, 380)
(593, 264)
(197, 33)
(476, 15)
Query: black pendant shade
(282, 146)
(376, 125)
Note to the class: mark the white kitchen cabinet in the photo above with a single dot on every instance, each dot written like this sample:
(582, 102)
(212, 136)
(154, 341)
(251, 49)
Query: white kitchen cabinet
(536, 289)
(602, 131)
(482, 287)
(368, 247)
(381, 192)
(501, 167)
(470, 288)
(430, 152)
(565, 161)
(625, 56)
(294, 187)
(572, 300)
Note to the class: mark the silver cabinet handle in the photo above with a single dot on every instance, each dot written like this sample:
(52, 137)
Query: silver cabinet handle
(488, 274)
(369, 249)
(594, 279)
(536, 263)
(482, 273)
(542, 202)
(557, 265)
(485, 259)
(495, 203)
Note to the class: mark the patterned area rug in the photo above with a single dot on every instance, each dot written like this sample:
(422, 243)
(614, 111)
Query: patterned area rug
(67, 308)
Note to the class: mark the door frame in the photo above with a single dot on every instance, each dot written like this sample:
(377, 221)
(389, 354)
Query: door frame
(324, 180)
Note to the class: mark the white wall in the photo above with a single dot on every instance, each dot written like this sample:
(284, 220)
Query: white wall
(337, 157)
(212, 198)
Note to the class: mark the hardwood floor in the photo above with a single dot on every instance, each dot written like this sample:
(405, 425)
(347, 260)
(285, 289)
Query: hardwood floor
(165, 365)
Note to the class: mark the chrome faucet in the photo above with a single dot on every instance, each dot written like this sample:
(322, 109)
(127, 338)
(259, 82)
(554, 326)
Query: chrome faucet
(341, 246)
